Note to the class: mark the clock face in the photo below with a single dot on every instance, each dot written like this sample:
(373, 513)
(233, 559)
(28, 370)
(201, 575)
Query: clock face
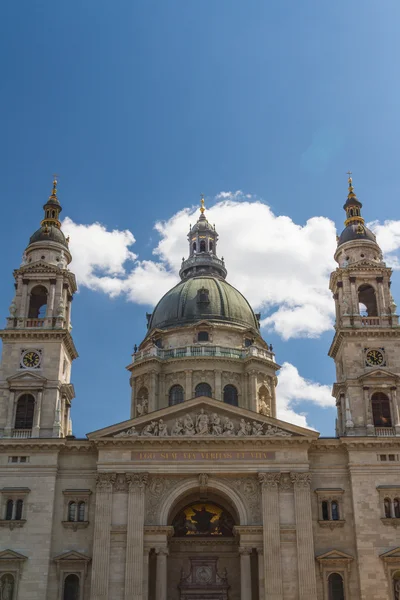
(31, 359)
(374, 358)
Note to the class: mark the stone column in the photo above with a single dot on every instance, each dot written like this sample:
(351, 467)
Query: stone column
(382, 311)
(162, 401)
(396, 416)
(24, 299)
(261, 583)
(101, 537)
(146, 572)
(153, 392)
(304, 536)
(252, 398)
(10, 414)
(245, 574)
(271, 533)
(188, 385)
(133, 398)
(135, 536)
(161, 573)
(218, 385)
(368, 412)
(354, 300)
(36, 419)
(50, 305)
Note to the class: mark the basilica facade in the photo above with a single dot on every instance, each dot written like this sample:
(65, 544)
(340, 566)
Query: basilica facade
(202, 494)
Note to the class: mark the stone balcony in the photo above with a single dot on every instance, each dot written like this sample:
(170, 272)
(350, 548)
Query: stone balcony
(203, 351)
(385, 431)
(21, 433)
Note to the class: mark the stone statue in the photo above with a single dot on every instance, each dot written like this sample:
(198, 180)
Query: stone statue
(128, 433)
(275, 431)
(263, 408)
(7, 588)
(229, 428)
(13, 309)
(142, 409)
(162, 428)
(216, 425)
(60, 309)
(257, 428)
(242, 428)
(249, 428)
(150, 429)
(202, 423)
(188, 425)
(177, 428)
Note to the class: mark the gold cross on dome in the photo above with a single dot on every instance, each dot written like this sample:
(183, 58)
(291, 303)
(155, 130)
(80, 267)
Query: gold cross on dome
(202, 209)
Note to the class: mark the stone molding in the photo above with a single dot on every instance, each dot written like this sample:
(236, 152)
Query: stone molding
(332, 524)
(105, 482)
(269, 481)
(391, 522)
(12, 524)
(245, 551)
(162, 551)
(137, 481)
(301, 480)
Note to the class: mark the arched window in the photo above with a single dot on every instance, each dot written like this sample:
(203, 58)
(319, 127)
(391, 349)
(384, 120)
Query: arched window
(176, 395)
(81, 511)
(7, 586)
(71, 587)
(38, 303)
(203, 389)
(366, 296)
(336, 587)
(202, 246)
(335, 510)
(72, 511)
(386, 504)
(9, 510)
(396, 508)
(202, 336)
(18, 511)
(248, 342)
(203, 295)
(325, 511)
(396, 585)
(211, 246)
(230, 395)
(194, 246)
(143, 394)
(24, 412)
(381, 410)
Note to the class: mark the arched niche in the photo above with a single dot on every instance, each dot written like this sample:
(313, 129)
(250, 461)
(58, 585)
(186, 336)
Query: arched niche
(37, 302)
(218, 492)
(367, 301)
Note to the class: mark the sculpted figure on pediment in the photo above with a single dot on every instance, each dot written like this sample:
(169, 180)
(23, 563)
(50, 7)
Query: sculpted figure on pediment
(188, 425)
(242, 428)
(276, 431)
(229, 428)
(128, 433)
(150, 429)
(202, 422)
(177, 429)
(216, 424)
(257, 428)
(162, 428)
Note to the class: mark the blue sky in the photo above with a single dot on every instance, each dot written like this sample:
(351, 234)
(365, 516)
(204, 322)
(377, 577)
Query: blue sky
(141, 106)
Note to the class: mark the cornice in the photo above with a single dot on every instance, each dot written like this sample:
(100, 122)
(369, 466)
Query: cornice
(366, 332)
(182, 362)
(42, 334)
(182, 442)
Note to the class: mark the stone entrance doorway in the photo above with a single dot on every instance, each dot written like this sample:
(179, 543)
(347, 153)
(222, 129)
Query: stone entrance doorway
(204, 582)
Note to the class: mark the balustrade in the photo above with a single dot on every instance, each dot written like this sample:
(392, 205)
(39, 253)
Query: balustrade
(22, 433)
(198, 351)
(385, 431)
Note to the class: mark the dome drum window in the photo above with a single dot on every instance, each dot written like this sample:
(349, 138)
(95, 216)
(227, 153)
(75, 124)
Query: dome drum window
(203, 336)
(176, 395)
(231, 395)
(203, 389)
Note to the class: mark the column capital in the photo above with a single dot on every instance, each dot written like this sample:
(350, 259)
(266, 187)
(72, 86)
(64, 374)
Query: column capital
(137, 481)
(269, 481)
(161, 551)
(260, 551)
(245, 551)
(301, 480)
(105, 481)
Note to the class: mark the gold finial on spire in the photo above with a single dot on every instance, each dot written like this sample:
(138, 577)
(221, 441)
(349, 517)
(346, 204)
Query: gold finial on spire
(351, 193)
(54, 190)
(202, 209)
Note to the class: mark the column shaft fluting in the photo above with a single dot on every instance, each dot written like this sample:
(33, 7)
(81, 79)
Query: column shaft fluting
(271, 533)
(101, 538)
(304, 536)
(135, 536)
(245, 574)
(161, 574)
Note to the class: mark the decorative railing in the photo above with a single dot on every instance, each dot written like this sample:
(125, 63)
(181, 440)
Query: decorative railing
(22, 433)
(370, 321)
(35, 322)
(385, 431)
(203, 351)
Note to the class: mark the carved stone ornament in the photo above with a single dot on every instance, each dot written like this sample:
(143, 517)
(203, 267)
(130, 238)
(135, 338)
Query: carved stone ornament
(120, 484)
(250, 491)
(301, 480)
(105, 481)
(269, 481)
(206, 424)
(137, 481)
(157, 490)
(203, 479)
(285, 483)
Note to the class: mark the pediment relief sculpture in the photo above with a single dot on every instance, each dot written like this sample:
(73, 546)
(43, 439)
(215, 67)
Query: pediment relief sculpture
(204, 423)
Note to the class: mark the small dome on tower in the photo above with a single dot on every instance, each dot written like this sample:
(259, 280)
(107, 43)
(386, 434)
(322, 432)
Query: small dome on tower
(50, 227)
(355, 229)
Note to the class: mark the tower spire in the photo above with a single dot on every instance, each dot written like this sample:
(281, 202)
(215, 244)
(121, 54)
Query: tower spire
(202, 208)
(353, 205)
(52, 208)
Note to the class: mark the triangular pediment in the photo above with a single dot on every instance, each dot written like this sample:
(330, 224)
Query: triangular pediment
(395, 553)
(11, 555)
(334, 555)
(72, 555)
(379, 374)
(27, 376)
(203, 417)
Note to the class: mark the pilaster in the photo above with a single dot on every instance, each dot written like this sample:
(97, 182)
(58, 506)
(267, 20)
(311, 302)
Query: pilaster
(101, 537)
(161, 573)
(304, 536)
(245, 574)
(135, 536)
(271, 532)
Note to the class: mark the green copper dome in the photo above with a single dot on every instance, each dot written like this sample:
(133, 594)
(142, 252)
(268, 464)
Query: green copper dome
(202, 297)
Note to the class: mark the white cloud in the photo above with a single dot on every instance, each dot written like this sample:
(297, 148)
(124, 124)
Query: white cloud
(292, 389)
(281, 267)
(388, 237)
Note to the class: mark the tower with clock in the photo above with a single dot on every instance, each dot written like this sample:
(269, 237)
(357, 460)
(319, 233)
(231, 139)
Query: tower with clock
(366, 344)
(38, 349)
